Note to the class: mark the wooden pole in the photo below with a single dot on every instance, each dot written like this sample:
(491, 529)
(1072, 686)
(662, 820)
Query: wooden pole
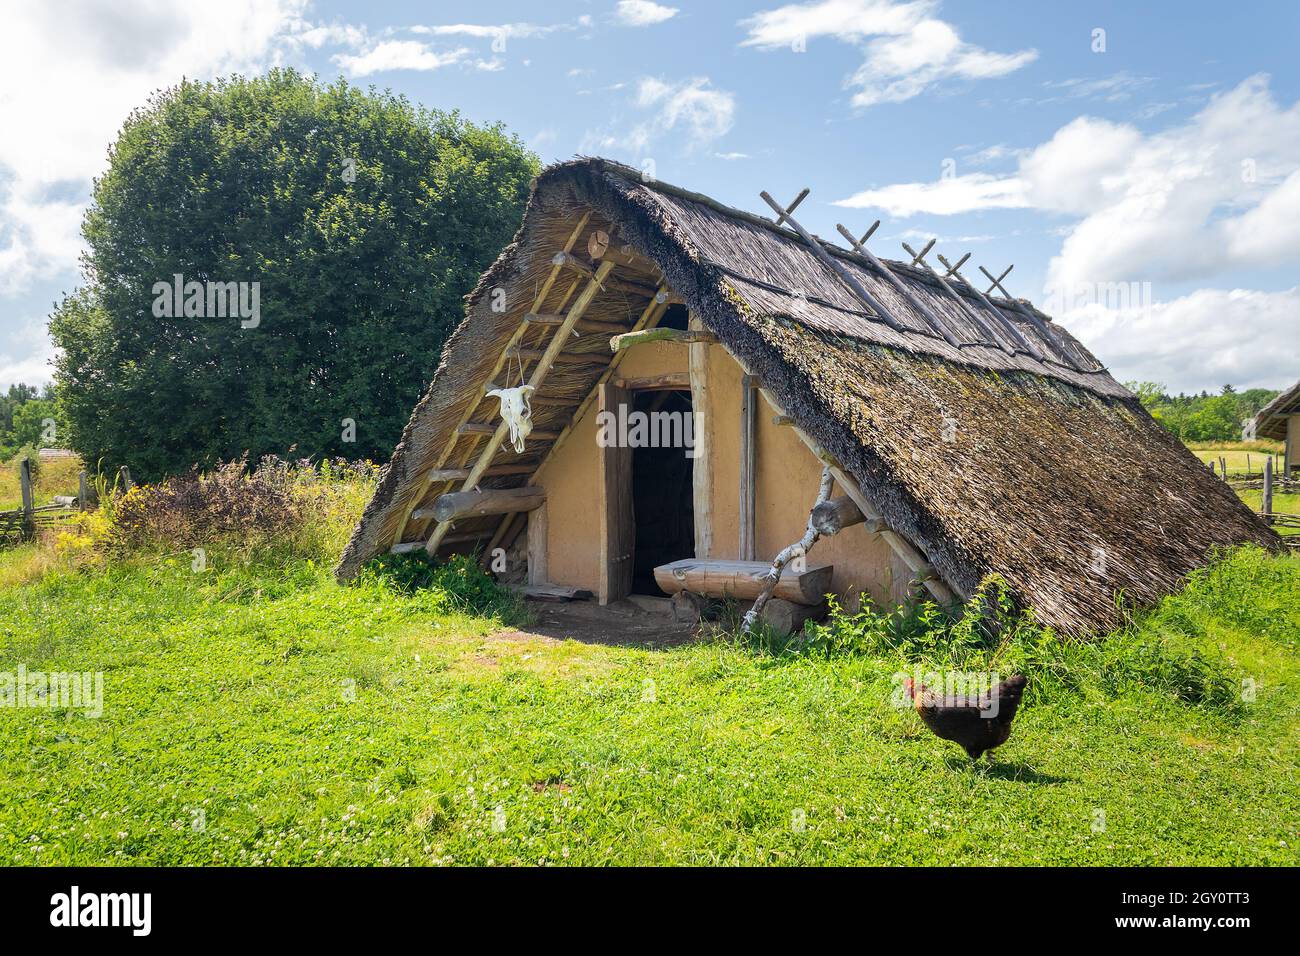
(795, 550)
(1266, 501)
(83, 494)
(748, 414)
(124, 478)
(29, 497)
(697, 361)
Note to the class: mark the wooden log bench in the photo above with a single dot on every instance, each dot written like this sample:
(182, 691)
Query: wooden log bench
(743, 580)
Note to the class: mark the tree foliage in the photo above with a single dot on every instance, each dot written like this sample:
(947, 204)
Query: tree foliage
(363, 219)
(1203, 417)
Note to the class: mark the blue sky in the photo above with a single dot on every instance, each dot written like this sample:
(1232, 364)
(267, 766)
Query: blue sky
(1144, 180)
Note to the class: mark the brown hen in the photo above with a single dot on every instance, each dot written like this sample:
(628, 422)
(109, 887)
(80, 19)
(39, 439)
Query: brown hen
(978, 723)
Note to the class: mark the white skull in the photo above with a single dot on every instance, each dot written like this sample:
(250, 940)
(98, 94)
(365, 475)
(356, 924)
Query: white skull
(516, 412)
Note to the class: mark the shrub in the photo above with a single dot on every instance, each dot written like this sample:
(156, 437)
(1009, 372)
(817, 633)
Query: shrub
(460, 578)
(196, 509)
(991, 634)
(279, 511)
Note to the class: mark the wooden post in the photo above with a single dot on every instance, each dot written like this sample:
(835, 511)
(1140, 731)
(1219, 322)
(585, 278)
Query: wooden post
(83, 490)
(1266, 501)
(29, 497)
(537, 546)
(748, 403)
(124, 478)
(616, 515)
(702, 463)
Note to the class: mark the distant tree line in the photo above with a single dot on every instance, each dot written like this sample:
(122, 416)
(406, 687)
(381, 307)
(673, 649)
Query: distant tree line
(28, 419)
(1203, 417)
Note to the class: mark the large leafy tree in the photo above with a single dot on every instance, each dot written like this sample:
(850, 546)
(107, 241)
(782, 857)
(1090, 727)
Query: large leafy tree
(363, 219)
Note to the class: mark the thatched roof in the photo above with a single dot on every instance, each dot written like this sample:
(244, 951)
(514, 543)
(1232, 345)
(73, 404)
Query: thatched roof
(1055, 477)
(1271, 420)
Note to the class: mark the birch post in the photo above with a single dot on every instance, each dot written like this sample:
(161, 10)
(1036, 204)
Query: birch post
(29, 498)
(697, 362)
(798, 549)
(1266, 501)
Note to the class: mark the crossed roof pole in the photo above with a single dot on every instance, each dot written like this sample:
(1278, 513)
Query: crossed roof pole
(987, 317)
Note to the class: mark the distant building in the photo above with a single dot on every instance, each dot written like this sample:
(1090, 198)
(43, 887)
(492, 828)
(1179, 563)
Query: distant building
(1280, 421)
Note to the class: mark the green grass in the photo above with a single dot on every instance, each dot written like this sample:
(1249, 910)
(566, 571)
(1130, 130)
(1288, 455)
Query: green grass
(312, 723)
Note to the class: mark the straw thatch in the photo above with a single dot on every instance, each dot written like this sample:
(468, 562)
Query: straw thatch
(1271, 422)
(986, 456)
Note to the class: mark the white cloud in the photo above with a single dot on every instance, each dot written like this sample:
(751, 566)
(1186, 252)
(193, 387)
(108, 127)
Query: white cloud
(486, 31)
(731, 156)
(26, 354)
(957, 194)
(690, 106)
(906, 50)
(1219, 192)
(1197, 341)
(399, 55)
(1190, 203)
(71, 72)
(642, 13)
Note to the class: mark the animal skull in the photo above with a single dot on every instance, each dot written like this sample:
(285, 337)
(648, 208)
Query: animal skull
(516, 412)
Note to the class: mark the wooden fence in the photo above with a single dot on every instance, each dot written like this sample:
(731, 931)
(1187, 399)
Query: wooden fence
(22, 523)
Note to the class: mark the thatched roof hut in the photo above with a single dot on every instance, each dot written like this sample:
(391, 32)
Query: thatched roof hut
(976, 435)
(1280, 420)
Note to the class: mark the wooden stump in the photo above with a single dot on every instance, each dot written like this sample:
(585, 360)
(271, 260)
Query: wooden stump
(786, 617)
(688, 607)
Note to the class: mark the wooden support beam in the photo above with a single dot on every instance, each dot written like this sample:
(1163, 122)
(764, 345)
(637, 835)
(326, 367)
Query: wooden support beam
(28, 494)
(459, 474)
(833, 516)
(567, 260)
(535, 400)
(628, 339)
(748, 420)
(537, 546)
(1003, 322)
(563, 358)
(697, 361)
(669, 381)
(483, 428)
(485, 501)
(538, 376)
(782, 420)
(544, 318)
(538, 302)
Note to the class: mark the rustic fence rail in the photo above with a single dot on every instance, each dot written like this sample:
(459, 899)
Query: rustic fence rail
(23, 522)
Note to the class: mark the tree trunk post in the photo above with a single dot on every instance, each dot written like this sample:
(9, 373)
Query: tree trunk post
(29, 497)
(1266, 501)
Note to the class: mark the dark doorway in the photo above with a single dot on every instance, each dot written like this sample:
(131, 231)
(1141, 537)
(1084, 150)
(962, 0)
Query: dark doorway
(662, 492)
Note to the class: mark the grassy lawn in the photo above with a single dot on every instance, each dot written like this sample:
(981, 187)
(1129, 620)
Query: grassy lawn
(263, 714)
(1241, 457)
